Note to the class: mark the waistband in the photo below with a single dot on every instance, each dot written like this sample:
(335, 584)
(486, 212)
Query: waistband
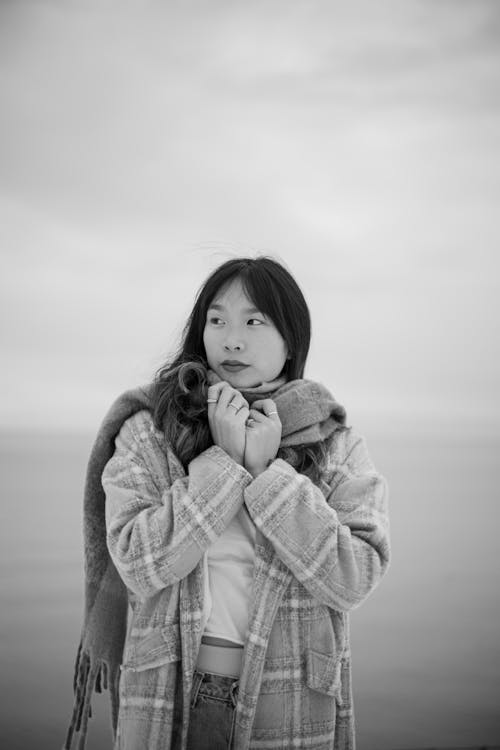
(220, 660)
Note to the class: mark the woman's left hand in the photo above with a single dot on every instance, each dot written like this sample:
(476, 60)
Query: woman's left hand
(263, 436)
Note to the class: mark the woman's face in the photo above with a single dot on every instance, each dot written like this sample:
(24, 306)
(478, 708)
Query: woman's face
(243, 346)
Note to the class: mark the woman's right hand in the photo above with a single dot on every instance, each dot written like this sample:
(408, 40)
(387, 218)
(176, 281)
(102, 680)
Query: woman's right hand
(227, 415)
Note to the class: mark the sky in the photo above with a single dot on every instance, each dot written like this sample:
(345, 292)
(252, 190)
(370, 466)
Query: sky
(143, 143)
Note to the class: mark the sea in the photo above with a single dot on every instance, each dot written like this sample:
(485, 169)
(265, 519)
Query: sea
(425, 644)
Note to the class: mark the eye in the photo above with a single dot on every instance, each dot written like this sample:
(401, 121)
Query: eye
(214, 320)
(255, 322)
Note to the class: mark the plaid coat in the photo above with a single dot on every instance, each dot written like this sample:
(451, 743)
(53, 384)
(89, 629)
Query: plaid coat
(319, 552)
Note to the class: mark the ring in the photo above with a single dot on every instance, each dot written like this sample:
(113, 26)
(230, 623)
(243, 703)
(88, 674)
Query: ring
(237, 408)
(271, 413)
(211, 400)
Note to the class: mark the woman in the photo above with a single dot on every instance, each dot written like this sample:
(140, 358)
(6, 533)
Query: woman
(243, 520)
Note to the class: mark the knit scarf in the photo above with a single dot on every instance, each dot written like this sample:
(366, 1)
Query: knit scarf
(308, 414)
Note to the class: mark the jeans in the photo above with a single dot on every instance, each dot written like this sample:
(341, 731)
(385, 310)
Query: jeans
(211, 719)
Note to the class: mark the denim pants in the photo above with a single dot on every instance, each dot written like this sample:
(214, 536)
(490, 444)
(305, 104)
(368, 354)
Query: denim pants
(211, 719)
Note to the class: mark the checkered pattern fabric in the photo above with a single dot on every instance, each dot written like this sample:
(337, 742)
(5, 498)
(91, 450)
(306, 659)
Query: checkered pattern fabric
(320, 551)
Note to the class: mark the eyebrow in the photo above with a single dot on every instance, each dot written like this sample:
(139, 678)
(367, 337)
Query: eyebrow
(246, 310)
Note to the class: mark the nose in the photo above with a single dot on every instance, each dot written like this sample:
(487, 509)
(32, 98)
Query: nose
(232, 347)
(233, 342)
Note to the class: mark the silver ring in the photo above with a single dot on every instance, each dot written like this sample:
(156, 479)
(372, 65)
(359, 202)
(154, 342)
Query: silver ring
(272, 412)
(211, 400)
(237, 408)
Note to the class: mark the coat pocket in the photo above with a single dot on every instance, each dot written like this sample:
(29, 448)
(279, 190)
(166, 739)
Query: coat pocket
(323, 673)
(152, 649)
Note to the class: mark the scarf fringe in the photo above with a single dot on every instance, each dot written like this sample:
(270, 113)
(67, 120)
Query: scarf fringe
(90, 676)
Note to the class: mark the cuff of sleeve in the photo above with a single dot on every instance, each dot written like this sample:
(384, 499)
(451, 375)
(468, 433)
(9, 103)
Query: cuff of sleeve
(217, 455)
(281, 465)
(276, 477)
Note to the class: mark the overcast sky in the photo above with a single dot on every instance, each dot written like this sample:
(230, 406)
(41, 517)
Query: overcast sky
(143, 143)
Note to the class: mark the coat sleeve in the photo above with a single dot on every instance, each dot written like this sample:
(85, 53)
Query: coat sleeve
(335, 540)
(158, 529)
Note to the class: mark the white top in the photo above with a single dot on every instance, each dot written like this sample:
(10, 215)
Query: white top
(230, 568)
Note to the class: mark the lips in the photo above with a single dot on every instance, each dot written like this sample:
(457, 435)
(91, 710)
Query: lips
(233, 365)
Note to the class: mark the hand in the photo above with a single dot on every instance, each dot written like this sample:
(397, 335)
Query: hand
(263, 436)
(227, 415)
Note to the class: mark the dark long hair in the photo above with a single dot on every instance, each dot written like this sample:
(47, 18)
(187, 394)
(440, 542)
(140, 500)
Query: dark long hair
(180, 385)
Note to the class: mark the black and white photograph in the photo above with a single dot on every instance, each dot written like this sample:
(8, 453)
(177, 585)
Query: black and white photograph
(250, 381)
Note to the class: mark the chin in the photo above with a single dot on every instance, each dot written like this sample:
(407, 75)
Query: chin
(243, 383)
(253, 384)
(241, 380)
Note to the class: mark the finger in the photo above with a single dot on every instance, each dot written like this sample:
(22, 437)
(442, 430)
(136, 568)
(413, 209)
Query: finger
(213, 391)
(237, 403)
(242, 415)
(223, 395)
(267, 407)
(228, 394)
(257, 416)
(219, 394)
(220, 386)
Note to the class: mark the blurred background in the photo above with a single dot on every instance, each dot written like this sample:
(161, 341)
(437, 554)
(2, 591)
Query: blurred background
(144, 143)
